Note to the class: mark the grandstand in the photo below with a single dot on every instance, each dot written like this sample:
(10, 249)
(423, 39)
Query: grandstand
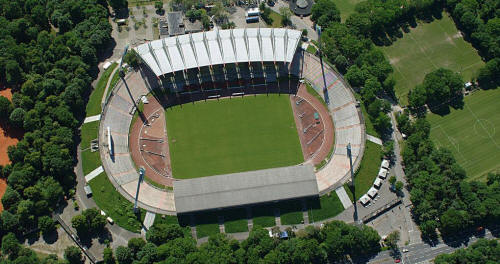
(233, 58)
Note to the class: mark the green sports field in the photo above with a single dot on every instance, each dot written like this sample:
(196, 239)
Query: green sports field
(232, 135)
(472, 133)
(426, 48)
(346, 7)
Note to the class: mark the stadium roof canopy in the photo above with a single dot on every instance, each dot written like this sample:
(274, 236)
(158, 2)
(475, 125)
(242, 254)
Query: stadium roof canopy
(244, 188)
(215, 47)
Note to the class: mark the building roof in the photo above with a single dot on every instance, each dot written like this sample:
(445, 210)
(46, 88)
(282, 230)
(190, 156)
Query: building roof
(244, 188)
(201, 49)
(175, 23)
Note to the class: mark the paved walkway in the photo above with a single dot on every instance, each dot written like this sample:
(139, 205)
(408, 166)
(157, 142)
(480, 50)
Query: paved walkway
(149, 220)
(344, 198)
(92, 119)
(375, 140)
(103, 99)
(117, 115)
(94, 174)
(347, 122)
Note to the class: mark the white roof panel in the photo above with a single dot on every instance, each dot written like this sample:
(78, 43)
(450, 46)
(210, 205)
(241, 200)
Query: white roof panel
(217, 47)
(187, 51)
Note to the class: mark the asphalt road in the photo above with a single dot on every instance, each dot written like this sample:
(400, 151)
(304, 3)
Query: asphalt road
(423, 252)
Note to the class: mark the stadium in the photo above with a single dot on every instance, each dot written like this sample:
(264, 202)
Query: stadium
(224, 119)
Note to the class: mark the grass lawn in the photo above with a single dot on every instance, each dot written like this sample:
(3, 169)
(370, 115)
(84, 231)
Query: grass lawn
(470, 133)
(89, 131)
(291, 212)
(311, 49)
(94, 103)
(327, 206)
(431, 45)
(367, 172)
(166, 219)
(90, 161)
(114, 80)
(346, 7)
(263, 216)
(114, 204)
(370, 129)
(207, 224)
(276, 20)
(232, 135)
(235, 220)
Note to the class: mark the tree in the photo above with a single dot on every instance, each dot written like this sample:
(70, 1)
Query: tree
(325, 12)
(108, 257)
(442, 86)
(46, 224)
(399, 186)
(392, 240)
(482, 251)
(13, 72)
(132, 59)
(117, 4)
(392, 180)
(73, 255)
(453, 221)
(10, 245)
(6, 108)
(135, 244)
(79, 222)
(162, 233)
(285, 16)
(17, 117)
(388, 148)
(123, 255)
(159, 7)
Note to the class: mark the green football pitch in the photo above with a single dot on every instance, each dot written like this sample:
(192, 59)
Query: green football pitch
(472, 133)
(427, 47)
(346, 7)
(232, 135)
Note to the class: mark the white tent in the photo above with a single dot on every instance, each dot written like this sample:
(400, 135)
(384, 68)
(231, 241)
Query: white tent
(106, 65)
(385, 164)
(377, 182)
(364, 199)
(372, 192)
(382, 173)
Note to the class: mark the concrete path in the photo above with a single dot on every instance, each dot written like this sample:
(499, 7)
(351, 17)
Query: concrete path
(92, 119)
(344, 198)
(103, 99)
(149, 219)
(373, 139)
(93, 174)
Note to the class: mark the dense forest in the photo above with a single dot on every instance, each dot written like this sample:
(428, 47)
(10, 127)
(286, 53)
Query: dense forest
(48, 56)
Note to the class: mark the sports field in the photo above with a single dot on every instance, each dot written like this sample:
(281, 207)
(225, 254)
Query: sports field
(346, 7)
(472, 133)
(426, 48)
(232, 135)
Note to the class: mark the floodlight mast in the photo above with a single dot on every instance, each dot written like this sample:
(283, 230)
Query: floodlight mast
(325, 89)
(141, 177)
(350, 163)
(122, 73)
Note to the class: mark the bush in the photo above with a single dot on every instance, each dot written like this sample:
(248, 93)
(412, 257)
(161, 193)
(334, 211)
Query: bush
(6, 108)
(46, 224)
(73, 255)
(17, 117)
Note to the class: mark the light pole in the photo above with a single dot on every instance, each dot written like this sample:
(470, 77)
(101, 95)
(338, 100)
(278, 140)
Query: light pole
(350, 163)
(122, 73)
(325, 90)
(141, 178)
